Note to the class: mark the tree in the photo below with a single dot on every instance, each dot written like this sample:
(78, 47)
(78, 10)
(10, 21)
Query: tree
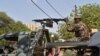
(90, 15)
(62, 31)
(18, 26)
(10, 25)
(5, 18)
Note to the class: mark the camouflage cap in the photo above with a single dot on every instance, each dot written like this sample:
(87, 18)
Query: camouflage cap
(78, 17)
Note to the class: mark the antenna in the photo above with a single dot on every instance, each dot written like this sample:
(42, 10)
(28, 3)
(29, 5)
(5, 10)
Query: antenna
(54, 8)
(76, 11)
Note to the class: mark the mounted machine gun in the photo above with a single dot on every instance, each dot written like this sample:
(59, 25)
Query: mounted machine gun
(42, 35)
(49, 21)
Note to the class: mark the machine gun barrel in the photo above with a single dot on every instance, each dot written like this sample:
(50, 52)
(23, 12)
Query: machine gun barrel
(51, 19)
(37, 20)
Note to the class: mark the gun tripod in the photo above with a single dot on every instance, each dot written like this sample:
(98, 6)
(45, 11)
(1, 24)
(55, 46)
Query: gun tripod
(43, 38)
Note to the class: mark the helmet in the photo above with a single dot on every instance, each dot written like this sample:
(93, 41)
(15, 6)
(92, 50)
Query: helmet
(77, 17)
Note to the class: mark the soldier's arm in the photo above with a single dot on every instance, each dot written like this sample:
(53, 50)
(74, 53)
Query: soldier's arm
(82, 26)
(71, 29)
(76, 28)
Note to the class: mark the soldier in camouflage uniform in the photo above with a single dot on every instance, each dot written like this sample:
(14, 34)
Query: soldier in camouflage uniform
(81, 30)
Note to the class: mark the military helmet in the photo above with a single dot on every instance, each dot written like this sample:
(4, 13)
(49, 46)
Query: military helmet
(77, 17)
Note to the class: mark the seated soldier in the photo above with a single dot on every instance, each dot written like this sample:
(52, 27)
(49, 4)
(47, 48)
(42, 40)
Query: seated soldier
(81, 30)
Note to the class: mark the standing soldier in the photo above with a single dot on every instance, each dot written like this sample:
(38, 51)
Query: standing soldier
(81, 30)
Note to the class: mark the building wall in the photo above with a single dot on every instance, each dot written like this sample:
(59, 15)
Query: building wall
(32, 27)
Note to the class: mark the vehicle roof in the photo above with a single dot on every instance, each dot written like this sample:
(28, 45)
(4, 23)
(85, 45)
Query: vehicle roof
(95, 40)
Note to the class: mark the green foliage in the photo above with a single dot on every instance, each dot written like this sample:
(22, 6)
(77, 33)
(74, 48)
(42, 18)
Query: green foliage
(10, 24)
(55, 36)
(2, 42)
(18, 26)
(5, 18)
(90, 15)
(62, 30)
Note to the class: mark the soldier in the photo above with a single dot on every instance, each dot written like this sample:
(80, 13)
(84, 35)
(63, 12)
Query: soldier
(81, 30)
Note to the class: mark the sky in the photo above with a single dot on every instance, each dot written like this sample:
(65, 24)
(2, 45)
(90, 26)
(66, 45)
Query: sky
(26, 11)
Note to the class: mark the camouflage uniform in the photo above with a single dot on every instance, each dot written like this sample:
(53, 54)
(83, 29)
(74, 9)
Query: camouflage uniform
(81, 30)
